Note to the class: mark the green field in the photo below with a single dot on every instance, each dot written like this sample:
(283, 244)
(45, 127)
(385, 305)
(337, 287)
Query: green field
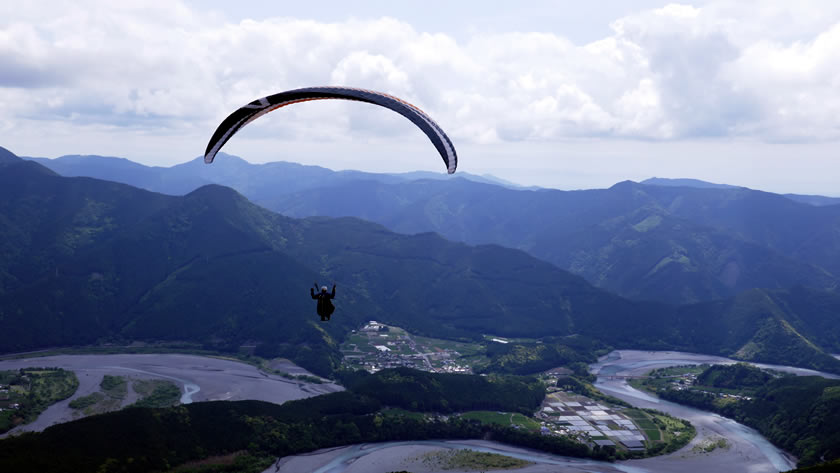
(112, 391)
(156, 393)
(645, 422)
(114, 386)
(33, 389)
(653, 434)
(502, 418)
(466, 459)
(87, 403)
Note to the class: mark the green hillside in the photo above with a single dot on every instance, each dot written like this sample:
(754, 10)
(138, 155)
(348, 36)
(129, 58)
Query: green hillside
(88, 261)
(797, 413)
(143, 439)
(673, 240)
(640, 241)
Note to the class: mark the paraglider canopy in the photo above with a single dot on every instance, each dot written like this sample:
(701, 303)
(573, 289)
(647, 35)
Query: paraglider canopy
(251, 111)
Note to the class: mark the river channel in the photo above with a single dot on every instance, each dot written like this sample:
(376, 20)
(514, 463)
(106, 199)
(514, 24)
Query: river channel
(747, 450)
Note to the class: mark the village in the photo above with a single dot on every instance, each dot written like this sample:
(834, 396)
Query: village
(377, 346)
(5, 402)
(683, 378)
(13, 389)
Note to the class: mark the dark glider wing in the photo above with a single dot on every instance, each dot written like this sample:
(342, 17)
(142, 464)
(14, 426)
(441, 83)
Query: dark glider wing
(260, 107)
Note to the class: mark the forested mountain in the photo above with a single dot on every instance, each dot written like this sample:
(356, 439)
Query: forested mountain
(645, 242)
(258, 182)
(661, 181)
(797, 413)
(85, 260)
(7, 156)
(676, 241)
(817, 200)
(247, 432)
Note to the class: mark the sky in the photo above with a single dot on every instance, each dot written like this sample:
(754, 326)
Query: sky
(562, 94)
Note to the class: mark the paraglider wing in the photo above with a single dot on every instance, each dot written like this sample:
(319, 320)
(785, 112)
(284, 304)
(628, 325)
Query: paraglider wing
(260, 107)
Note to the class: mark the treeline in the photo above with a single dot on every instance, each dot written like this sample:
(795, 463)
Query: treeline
(737, 376)
(549, 352)
(443, 392)
(42, 387)
(141, 439)
(799, 414)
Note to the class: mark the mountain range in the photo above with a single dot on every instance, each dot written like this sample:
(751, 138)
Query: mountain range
(86, 261)
(677, 241)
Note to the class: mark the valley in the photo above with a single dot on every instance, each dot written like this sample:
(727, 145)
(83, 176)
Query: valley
(212, 376)
(198, 379)
(122, 264)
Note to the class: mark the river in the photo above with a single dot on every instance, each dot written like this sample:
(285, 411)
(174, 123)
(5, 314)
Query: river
(200, 378)
(747, 450)
(205, 378)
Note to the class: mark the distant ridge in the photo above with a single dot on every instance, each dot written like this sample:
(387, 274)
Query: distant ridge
(672, 243)
(86, 261)
(7, 156)
(815, 200)
(685, 182)
(233, 171)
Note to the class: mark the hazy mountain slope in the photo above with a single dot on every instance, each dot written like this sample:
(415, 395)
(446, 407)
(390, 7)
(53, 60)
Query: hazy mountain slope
(810, 234)
(625, 239)
(7, 156)
(117, 263)
(258, 182)
(763, 326)
(648, 254)
(93, 259)
(662, 181)
(816, 200)
(214, 268)
(45, 219)
(731, 238)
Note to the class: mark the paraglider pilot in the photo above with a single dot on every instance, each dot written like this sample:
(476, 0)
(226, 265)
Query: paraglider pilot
(325, 306)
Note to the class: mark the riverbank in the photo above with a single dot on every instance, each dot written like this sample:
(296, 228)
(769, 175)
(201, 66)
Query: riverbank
(408, 456)
(745, 450)
(199, 378)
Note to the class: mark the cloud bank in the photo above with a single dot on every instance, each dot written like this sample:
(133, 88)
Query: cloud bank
(765, 71)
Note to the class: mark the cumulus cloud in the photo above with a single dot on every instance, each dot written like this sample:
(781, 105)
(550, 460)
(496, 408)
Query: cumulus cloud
(734, 69)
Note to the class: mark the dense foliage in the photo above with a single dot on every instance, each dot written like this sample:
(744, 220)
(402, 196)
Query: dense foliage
(143, 439)
(686, 242)
(798, 413)
(157, 393)
(26, 393)
(87, 261)
(441, 392)
(673, 244)
(737, 376)
(533, 357)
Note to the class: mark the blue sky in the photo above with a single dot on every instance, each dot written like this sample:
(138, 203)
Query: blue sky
(558, 93)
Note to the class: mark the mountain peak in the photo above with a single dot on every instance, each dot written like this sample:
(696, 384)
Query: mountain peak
(222, 159)
(7, 156)
(684, 182)
(23, 167)
(628, 184)
(214, 191)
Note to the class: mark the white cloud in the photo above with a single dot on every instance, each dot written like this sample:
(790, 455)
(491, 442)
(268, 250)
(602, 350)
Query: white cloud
(758, 70)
